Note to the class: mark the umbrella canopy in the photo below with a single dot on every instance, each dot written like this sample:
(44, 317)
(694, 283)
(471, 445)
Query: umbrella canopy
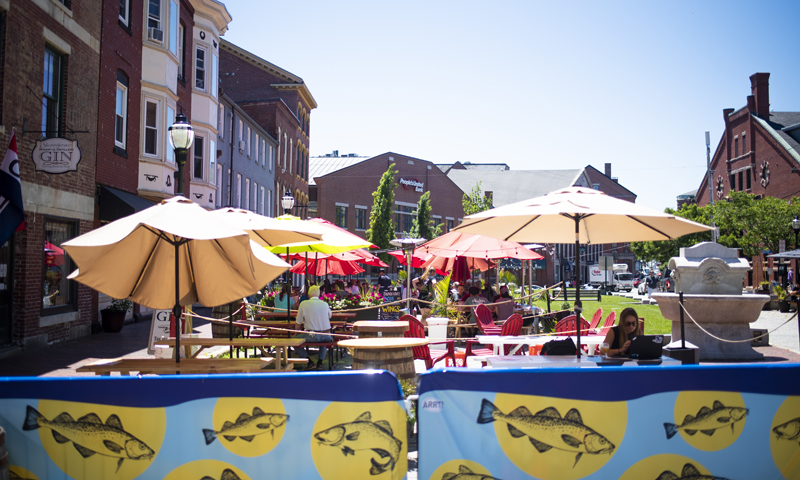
(134, 257)
(462, 265)
(334, 239)
(789, 254)
(270, 232)
(551, 218)
(580, 215)
(328, 266)
(417, 259)
(459, 244)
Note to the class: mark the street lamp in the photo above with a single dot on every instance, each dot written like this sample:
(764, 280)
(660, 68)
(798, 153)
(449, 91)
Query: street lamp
(181, 137)
(407, 244)
(287, 202)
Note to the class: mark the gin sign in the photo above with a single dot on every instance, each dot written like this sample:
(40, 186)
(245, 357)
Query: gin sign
(56, 155)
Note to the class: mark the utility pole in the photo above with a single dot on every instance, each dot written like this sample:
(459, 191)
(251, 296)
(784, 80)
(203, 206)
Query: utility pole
(710, 177)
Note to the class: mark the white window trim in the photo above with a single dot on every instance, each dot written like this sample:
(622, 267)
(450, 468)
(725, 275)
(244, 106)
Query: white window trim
(160, 14)
(203, 159)
(247, 194)
(127, 18)
(169, 153)
(405, 204)
(219, 185)
(338, 204)
(124, 117)
(238, 190)
(221, 121)
(361, 206)
(205, 67)
(157, 102)
(258, 144)
(211, 161)
(180, 47)
(249, 145)
(261, 205)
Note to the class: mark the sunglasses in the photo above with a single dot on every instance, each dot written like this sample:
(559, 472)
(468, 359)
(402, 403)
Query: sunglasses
(630, 324)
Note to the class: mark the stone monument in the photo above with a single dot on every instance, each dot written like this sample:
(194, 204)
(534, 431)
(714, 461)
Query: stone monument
(711, 277)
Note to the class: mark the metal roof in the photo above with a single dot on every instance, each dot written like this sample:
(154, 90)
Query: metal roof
(511, 186)
(321, 166)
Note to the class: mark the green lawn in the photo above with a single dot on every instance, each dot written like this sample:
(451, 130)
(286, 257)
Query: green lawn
(654, 322)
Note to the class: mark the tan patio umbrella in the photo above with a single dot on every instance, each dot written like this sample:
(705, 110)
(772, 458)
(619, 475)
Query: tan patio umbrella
(172, 254)
(580, 215)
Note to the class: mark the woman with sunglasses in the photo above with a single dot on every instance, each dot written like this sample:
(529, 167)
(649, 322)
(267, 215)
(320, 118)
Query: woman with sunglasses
(619, 337)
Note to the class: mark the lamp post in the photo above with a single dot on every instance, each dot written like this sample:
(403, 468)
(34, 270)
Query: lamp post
(407, 244)
(796, 228)
(181, 137)
(287, 202)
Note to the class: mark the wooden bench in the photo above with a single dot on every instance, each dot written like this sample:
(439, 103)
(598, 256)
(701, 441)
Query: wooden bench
(167, 366)
(334, 352)
(586, 295)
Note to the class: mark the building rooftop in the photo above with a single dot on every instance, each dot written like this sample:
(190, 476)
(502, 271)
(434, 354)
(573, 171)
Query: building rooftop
(321, 166)
(511, 186)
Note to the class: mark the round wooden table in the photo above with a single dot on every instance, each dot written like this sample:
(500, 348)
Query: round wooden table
(381, 329)
(393, 354)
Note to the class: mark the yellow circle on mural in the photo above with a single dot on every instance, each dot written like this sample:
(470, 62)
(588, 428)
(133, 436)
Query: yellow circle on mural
(708, 421)
(19, 473)
(462, 469)
(784, 441)
(88, 440)
(360, 440)
(206, 470)
(248, 427)
(555, 438)
(657, 465)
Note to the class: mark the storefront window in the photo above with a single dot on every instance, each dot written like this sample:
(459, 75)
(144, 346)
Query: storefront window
(58, 293)
(341, 216)
(361, 218)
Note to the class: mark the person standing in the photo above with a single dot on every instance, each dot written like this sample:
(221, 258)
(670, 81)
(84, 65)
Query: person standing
(384, 281)
(314, 316)
(652, 284)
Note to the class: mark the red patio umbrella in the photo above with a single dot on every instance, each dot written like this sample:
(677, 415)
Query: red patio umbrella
(328, 266)
(417, 259)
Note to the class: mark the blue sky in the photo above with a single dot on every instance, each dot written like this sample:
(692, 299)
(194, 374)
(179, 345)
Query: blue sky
(536, 85)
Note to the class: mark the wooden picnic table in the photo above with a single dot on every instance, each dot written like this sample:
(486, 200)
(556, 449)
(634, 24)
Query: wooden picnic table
(336, 314)
(281, 347)
(383, 329)
(167, 366)
(268, 325)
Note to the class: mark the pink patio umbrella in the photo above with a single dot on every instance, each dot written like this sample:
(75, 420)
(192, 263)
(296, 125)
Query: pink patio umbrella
(328, 266)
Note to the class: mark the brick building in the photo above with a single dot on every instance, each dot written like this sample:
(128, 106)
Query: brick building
(342, 189)
(758, 153)
(281, 103)
(60, 43)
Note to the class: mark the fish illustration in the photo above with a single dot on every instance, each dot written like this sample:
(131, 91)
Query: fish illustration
(90, 435)
(546, 429)
(465, 473)
(689, 472)
(248, 426)
(227, 474)
(708, 420)
(364, 434)
(788, 431)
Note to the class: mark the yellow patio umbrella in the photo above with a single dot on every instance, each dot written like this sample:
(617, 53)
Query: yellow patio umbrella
(334, 239)
(172, 254)
(268, 231)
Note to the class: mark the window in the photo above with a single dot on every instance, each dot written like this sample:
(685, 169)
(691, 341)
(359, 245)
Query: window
(733, 182)
(258, 144)
(741, 181)
(154, 14)
(221, 121)
(238, 190)
(200, 69)
(736, 146)
(748, 179)
(404, 217)
(181, 49)
(247, 194)
(58, 293)
(249, 143)
(121, 111)
(214, 77)
(241, 127)
(170, 153)
(52, 93)
(255, 196)
(173, 27)
(271, 157)
(261, 204)
(744, 143)
(212, 162)
(261, 152)
(449, 224)
(151, 128)
(341, 216)
(361, 218)
(219, 185)
(285, 150)
(124, 8)
(198, 157)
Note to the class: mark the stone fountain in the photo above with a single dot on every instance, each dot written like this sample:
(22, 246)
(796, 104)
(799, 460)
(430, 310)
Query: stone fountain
(711, 277)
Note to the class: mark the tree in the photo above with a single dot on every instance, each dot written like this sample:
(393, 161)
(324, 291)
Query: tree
(662, 251)
(381, 225)
(475, 201)
(755, 225)
(422, 228)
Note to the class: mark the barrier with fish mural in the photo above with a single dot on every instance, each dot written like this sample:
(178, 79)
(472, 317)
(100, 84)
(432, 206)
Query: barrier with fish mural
(671, 423)
(338, 425)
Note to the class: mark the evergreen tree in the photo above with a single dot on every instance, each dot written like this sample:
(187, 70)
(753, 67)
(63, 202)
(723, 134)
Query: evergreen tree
(422, 228)
(475, 201)
(381, 226)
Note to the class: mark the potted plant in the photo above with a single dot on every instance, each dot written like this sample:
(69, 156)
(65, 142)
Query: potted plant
(113, 316)
(563, 314)
(783, 304)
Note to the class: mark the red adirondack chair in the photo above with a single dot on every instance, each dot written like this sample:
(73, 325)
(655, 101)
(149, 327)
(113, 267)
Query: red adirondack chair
(567, 326)
(483, 317)
(598, 315)
(610, 319)
(511, 327)
(417, 330)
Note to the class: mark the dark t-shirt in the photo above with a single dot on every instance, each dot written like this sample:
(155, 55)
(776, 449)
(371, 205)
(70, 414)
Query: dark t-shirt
(384, 281)
(652, 281)
(615, 344)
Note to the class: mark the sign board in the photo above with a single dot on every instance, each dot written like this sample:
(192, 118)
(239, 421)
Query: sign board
(56, 155)
(606, 262)
(159, 327)
(782, 247)
(538, 264)
(409, 183)
(391, 312)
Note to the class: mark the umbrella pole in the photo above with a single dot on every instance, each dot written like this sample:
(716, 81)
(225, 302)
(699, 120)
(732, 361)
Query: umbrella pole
(305, 278)
(578, 304)
(177, 310)
(409, 254)
(289, 296)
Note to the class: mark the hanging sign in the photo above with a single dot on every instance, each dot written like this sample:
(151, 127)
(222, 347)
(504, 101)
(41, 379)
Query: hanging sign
(56, 155)
(409, 183)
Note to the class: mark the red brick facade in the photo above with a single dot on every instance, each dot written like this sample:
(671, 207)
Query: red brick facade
(29, 29)
(280, 103)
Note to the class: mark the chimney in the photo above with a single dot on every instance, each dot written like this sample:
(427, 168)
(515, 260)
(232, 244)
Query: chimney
(759, 85)
(608, 170)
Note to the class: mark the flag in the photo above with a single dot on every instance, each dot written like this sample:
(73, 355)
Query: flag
(12, 215)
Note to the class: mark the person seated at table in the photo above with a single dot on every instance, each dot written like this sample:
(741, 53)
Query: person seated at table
(314, 316)
(284, 301)
(304, 295)
(354, 288)
(619, 336)
(340, 291)
(474, 298)
(505, 304)
(326, 286)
